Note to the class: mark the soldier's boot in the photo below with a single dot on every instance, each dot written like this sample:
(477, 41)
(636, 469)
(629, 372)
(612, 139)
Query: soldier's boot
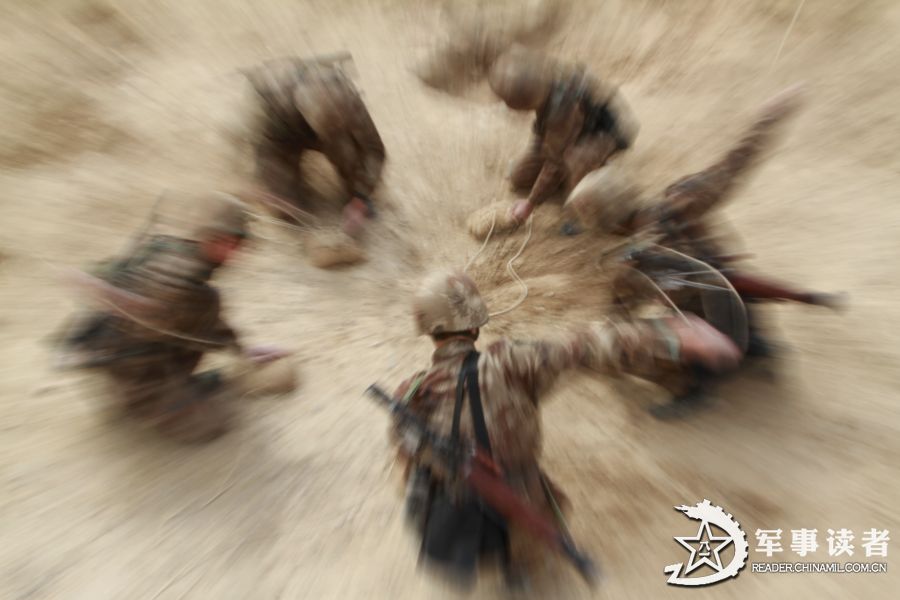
(758, 346)
(687, 399)
(198, 414)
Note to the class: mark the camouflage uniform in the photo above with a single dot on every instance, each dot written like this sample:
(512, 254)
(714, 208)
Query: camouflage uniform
(579, 124)
(686, 203)
(514, 377)
(308, 105)
(151, 356)
(681, 210)
(680, 215)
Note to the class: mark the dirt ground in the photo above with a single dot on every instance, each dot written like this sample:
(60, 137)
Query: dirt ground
(106, 104)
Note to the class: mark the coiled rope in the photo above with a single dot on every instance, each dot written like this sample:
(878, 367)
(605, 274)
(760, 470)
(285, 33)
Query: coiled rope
(509, 265)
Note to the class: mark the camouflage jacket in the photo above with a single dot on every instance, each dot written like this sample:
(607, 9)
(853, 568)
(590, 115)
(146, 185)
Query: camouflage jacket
(514, 376)
(311, 105)
(580, 105)
(688, 201)
(171, 273)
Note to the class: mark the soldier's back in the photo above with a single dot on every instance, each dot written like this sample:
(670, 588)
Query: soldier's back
(170, 272)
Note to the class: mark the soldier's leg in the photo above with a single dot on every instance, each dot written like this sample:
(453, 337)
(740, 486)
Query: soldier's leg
(278, 169)
(143, 385)
(351, 165)
(525, 170)
(587, 155)
(346, 159)
(166, 395)
(196, 411)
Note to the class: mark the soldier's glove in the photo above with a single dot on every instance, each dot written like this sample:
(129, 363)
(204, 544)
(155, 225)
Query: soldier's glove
(699, 343)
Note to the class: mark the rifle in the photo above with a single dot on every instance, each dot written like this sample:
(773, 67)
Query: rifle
(484, 477)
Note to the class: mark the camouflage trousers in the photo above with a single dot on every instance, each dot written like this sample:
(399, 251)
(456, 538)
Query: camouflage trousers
(278, 167)
(168, 395)
(525, 555)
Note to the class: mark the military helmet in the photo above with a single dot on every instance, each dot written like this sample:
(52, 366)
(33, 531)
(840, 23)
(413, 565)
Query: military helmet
(447, 302)
(604, 199)
(522, 78)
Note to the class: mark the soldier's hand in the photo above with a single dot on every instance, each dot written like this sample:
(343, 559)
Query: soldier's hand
(521, 210)
(354, 217)
(262, 354)
(702, 344)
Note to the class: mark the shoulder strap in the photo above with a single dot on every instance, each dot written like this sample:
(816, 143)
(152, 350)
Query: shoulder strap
(460, 398)
(468, 377)
(478, 423)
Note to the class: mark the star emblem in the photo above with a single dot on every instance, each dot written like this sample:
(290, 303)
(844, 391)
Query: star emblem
(707, 545)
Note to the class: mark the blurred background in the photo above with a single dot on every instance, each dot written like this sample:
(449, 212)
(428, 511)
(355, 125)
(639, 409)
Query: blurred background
(106, 104)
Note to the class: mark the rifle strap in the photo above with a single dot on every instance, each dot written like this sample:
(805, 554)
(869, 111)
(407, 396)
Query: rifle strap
(468, 377)
(476, 408)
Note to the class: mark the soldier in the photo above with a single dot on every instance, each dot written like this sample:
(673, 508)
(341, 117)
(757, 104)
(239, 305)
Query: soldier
(580, 123)
(313, 105)
(606, 201)
(160, 317)
(513, 378)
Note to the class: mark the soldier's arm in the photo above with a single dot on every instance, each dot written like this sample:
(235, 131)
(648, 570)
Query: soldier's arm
(695, 195)
(548, 181)
(371, 154)
(352, 142)
(606, 348)
(411, 392)
(560, 131)
(617, 348)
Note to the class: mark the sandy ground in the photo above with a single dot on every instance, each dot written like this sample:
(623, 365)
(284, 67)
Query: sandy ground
(107, 104)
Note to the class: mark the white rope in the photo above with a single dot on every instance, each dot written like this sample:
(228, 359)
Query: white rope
(711, 269)
(514, 275)
(787, 33)
(486, 240)
(663, 294)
